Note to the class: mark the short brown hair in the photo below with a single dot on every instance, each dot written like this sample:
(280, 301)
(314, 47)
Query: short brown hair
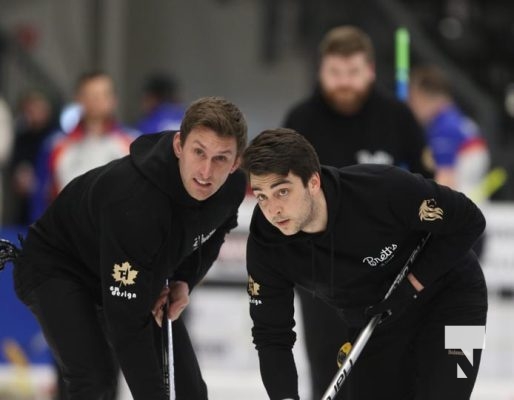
(346, 41)
(88, 76)
(431, 80)
(217, 114)
(280, 151)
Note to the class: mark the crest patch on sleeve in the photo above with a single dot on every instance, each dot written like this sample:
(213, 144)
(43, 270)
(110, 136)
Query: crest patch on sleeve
(428, 211)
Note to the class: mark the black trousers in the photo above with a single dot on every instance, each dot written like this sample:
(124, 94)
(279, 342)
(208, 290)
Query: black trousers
(73, 327)
(405, 359)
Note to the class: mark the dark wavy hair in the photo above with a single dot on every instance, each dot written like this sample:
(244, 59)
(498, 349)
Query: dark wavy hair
(280, 151)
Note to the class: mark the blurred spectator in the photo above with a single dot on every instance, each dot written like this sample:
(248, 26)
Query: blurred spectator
(6, 139)
(97, 139)
(160, 104)
(349, 120)
(459, 150)
(35, 122)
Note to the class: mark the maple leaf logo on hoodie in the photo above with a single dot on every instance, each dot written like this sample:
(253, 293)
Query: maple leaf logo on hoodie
(124, 274)
(253, 287)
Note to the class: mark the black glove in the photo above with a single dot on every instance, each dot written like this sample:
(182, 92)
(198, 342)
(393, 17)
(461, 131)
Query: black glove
(396, 303)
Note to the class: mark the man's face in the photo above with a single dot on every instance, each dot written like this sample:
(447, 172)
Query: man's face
(285, 201)
(37, 112)
(97, 98)
(346, 81)
(420, 105)
(205, 160)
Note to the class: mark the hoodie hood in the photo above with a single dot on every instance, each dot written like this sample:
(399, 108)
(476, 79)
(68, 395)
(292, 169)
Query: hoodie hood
(154, 158)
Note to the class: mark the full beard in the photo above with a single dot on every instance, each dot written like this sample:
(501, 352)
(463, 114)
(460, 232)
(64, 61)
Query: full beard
(346, 101)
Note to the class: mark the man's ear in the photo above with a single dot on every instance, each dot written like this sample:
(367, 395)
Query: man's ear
(177, 146)
(236, 165)
(314, 183)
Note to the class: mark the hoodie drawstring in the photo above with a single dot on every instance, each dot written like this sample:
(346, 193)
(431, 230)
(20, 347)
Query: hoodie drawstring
(313, 266)
(332, 265)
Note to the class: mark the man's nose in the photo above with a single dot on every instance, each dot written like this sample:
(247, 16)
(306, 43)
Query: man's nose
(206, 169)
(343, 80)
(274, 209)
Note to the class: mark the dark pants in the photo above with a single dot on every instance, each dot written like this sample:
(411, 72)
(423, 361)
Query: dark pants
(404, 359)
(73, 327)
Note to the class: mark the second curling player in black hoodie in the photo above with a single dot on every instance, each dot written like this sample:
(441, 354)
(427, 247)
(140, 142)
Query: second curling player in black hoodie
(344, 235)
(104, 248)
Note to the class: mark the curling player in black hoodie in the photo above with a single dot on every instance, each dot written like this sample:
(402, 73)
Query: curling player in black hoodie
(93, 267)
(344, 235)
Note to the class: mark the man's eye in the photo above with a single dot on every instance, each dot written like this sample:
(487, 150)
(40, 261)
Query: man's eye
(283, 192)
(198, 151)
(221, 158)
(260, 197)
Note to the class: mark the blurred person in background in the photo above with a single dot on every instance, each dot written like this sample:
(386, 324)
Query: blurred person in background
(350, 120)
(34, 123)
(6, 141)
(97, 139)
(162, 109)
(459, 150)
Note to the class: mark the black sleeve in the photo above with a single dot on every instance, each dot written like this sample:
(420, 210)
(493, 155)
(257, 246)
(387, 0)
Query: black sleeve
(272, 312)
(455, 222)
(194, 268)
(415, 148)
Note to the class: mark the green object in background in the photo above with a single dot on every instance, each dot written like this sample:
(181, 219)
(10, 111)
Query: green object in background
(402, 42)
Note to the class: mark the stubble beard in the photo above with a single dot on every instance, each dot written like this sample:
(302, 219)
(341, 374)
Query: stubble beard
(311, 215)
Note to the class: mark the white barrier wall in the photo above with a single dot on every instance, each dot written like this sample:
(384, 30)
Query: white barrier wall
(498, 257)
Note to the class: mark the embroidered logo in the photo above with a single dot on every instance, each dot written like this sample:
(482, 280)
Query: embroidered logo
(116, 292)
(385, 255)
(253, 287)
(378, 157)
(428, 211)
(124, 274)
(201, 239)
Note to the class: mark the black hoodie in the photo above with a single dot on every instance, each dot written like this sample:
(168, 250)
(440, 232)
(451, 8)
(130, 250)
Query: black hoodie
(376, 217)
(383, 131)
(121, 229)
